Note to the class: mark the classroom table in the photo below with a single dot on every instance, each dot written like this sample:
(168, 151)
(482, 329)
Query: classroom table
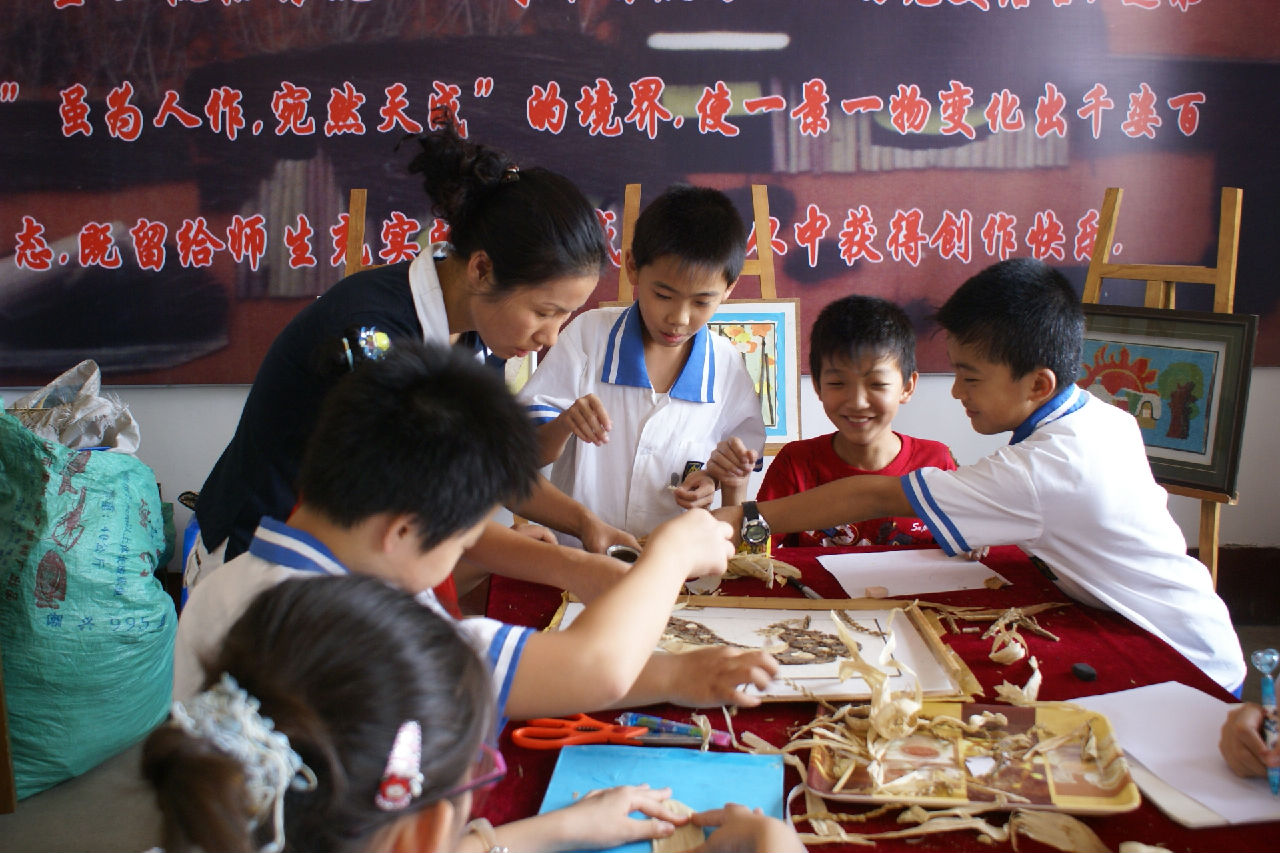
(1123, 655)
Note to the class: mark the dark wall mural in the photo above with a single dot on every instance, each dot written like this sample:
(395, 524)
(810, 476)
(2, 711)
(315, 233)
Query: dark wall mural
(176, 173)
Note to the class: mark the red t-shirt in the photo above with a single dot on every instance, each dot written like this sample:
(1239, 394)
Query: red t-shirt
(810, 462)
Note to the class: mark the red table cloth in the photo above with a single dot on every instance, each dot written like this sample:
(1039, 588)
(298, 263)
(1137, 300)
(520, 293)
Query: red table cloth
(1122, 654)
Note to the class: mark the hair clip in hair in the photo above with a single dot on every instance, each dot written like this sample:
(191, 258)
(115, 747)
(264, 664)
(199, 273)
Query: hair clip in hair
(511, 173)
(402, 780)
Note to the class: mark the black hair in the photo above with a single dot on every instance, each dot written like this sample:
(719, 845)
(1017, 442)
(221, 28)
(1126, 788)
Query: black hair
(855, 327)
(1022, 313)
(427, 430)
(534, 224)
(697, 225)
(338, 664)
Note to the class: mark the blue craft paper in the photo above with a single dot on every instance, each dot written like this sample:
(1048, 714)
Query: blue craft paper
(700, 780)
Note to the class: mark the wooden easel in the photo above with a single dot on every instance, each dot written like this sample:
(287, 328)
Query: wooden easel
(761, 265)
(1161, 282)
(354, 258)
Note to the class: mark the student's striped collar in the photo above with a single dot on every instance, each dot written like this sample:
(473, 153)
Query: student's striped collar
(624, 360)
(1061, 404)
(277, 542)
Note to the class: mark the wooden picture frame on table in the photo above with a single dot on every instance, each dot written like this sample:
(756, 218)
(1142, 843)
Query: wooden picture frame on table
(919, 655)
(1184, 375)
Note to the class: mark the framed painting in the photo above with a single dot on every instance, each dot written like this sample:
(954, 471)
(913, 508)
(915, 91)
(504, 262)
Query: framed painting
(766, 332)
(1184, 375)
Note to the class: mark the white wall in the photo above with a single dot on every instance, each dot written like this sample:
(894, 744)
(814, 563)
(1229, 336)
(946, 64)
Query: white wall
(185, 427)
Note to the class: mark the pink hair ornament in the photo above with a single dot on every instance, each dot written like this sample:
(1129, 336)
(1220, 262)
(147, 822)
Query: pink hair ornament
(402, 779)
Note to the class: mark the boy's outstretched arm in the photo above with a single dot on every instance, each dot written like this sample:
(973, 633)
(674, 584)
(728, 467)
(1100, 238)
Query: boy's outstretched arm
(502, 551)
(829, 505)
(594, 662)
(587, 419)
(552, 508)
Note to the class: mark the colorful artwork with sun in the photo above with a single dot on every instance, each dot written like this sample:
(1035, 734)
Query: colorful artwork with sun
(1171, 389)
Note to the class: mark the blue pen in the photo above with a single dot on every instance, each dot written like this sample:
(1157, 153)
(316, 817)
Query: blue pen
(659, 724)
(1265, 661)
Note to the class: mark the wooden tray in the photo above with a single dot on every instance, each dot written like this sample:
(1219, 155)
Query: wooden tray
(958, 771)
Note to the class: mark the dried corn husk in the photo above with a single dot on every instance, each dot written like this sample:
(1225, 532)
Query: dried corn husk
(1025, 695)
(1055, 829)
(760, 566)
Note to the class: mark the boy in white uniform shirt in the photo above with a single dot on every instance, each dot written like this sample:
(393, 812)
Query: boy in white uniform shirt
(647, 391)
(1073, 487)
(409, 457)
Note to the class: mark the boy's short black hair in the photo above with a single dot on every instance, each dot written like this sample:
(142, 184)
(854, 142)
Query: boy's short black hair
(426, 430)
(1022, 313)
(698, 225)
(855, 327)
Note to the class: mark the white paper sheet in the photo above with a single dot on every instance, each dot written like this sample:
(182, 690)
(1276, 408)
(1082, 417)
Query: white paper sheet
(905, 572)
(1173, 730)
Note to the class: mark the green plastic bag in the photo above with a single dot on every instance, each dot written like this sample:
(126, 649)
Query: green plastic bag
(86, 629)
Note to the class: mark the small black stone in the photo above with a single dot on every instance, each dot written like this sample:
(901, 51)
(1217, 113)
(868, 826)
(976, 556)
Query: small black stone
(1083, 671)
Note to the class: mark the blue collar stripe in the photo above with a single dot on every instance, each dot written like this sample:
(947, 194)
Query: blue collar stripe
(624, 360)
(277, 542)
(1063, 403)
(541, 413)
(927, 509)
(624, 357)
(698, 378)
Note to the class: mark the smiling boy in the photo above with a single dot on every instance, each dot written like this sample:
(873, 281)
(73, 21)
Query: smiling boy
(634, 400)
(1073, 487)
(862, 357)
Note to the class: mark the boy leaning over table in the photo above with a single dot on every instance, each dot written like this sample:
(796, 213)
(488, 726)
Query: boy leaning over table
(1072, 488)
(410, 456)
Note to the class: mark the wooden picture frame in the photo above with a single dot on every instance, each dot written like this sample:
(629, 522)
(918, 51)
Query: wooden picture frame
(1184, 375)
(943, 675)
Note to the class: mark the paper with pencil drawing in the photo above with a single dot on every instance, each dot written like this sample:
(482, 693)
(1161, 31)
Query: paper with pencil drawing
(908, 571)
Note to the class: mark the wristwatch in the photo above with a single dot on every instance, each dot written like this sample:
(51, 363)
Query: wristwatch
(755, 530)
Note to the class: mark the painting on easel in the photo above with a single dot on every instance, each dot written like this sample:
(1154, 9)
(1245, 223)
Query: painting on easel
(1184, 376)
(766, 332)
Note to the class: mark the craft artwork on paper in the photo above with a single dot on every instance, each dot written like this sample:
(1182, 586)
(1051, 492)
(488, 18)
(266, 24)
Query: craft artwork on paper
(807, 644)
(1172, 387)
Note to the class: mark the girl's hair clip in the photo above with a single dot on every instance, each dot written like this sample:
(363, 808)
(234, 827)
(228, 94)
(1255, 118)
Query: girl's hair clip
(402, 778)
(511, 173)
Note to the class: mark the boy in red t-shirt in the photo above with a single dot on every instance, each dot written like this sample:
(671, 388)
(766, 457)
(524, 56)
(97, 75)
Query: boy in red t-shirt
(862, 357)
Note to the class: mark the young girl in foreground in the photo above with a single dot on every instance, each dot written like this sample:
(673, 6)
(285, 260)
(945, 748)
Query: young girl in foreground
(310, 741)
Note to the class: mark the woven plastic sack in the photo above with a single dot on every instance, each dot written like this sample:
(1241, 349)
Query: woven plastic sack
(86, 629)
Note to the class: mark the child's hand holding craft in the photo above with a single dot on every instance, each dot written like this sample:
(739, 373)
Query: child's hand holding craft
(717, 675)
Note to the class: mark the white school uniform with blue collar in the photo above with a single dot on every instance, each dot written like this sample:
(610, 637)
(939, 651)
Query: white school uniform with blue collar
(1073, 488)
(654, 434)
(278, 553)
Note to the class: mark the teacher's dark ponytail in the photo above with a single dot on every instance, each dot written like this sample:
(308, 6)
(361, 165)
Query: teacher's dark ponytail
(534, 224)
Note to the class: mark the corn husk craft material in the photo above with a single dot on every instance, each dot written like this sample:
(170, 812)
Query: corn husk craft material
(969, 762)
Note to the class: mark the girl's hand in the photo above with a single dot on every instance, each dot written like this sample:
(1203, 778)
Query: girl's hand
(744, 830)
(602, 818)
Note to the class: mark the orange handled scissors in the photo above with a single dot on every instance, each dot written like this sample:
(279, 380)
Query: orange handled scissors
(555, 732)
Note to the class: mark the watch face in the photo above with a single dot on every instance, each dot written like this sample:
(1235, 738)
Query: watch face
(756, 532)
